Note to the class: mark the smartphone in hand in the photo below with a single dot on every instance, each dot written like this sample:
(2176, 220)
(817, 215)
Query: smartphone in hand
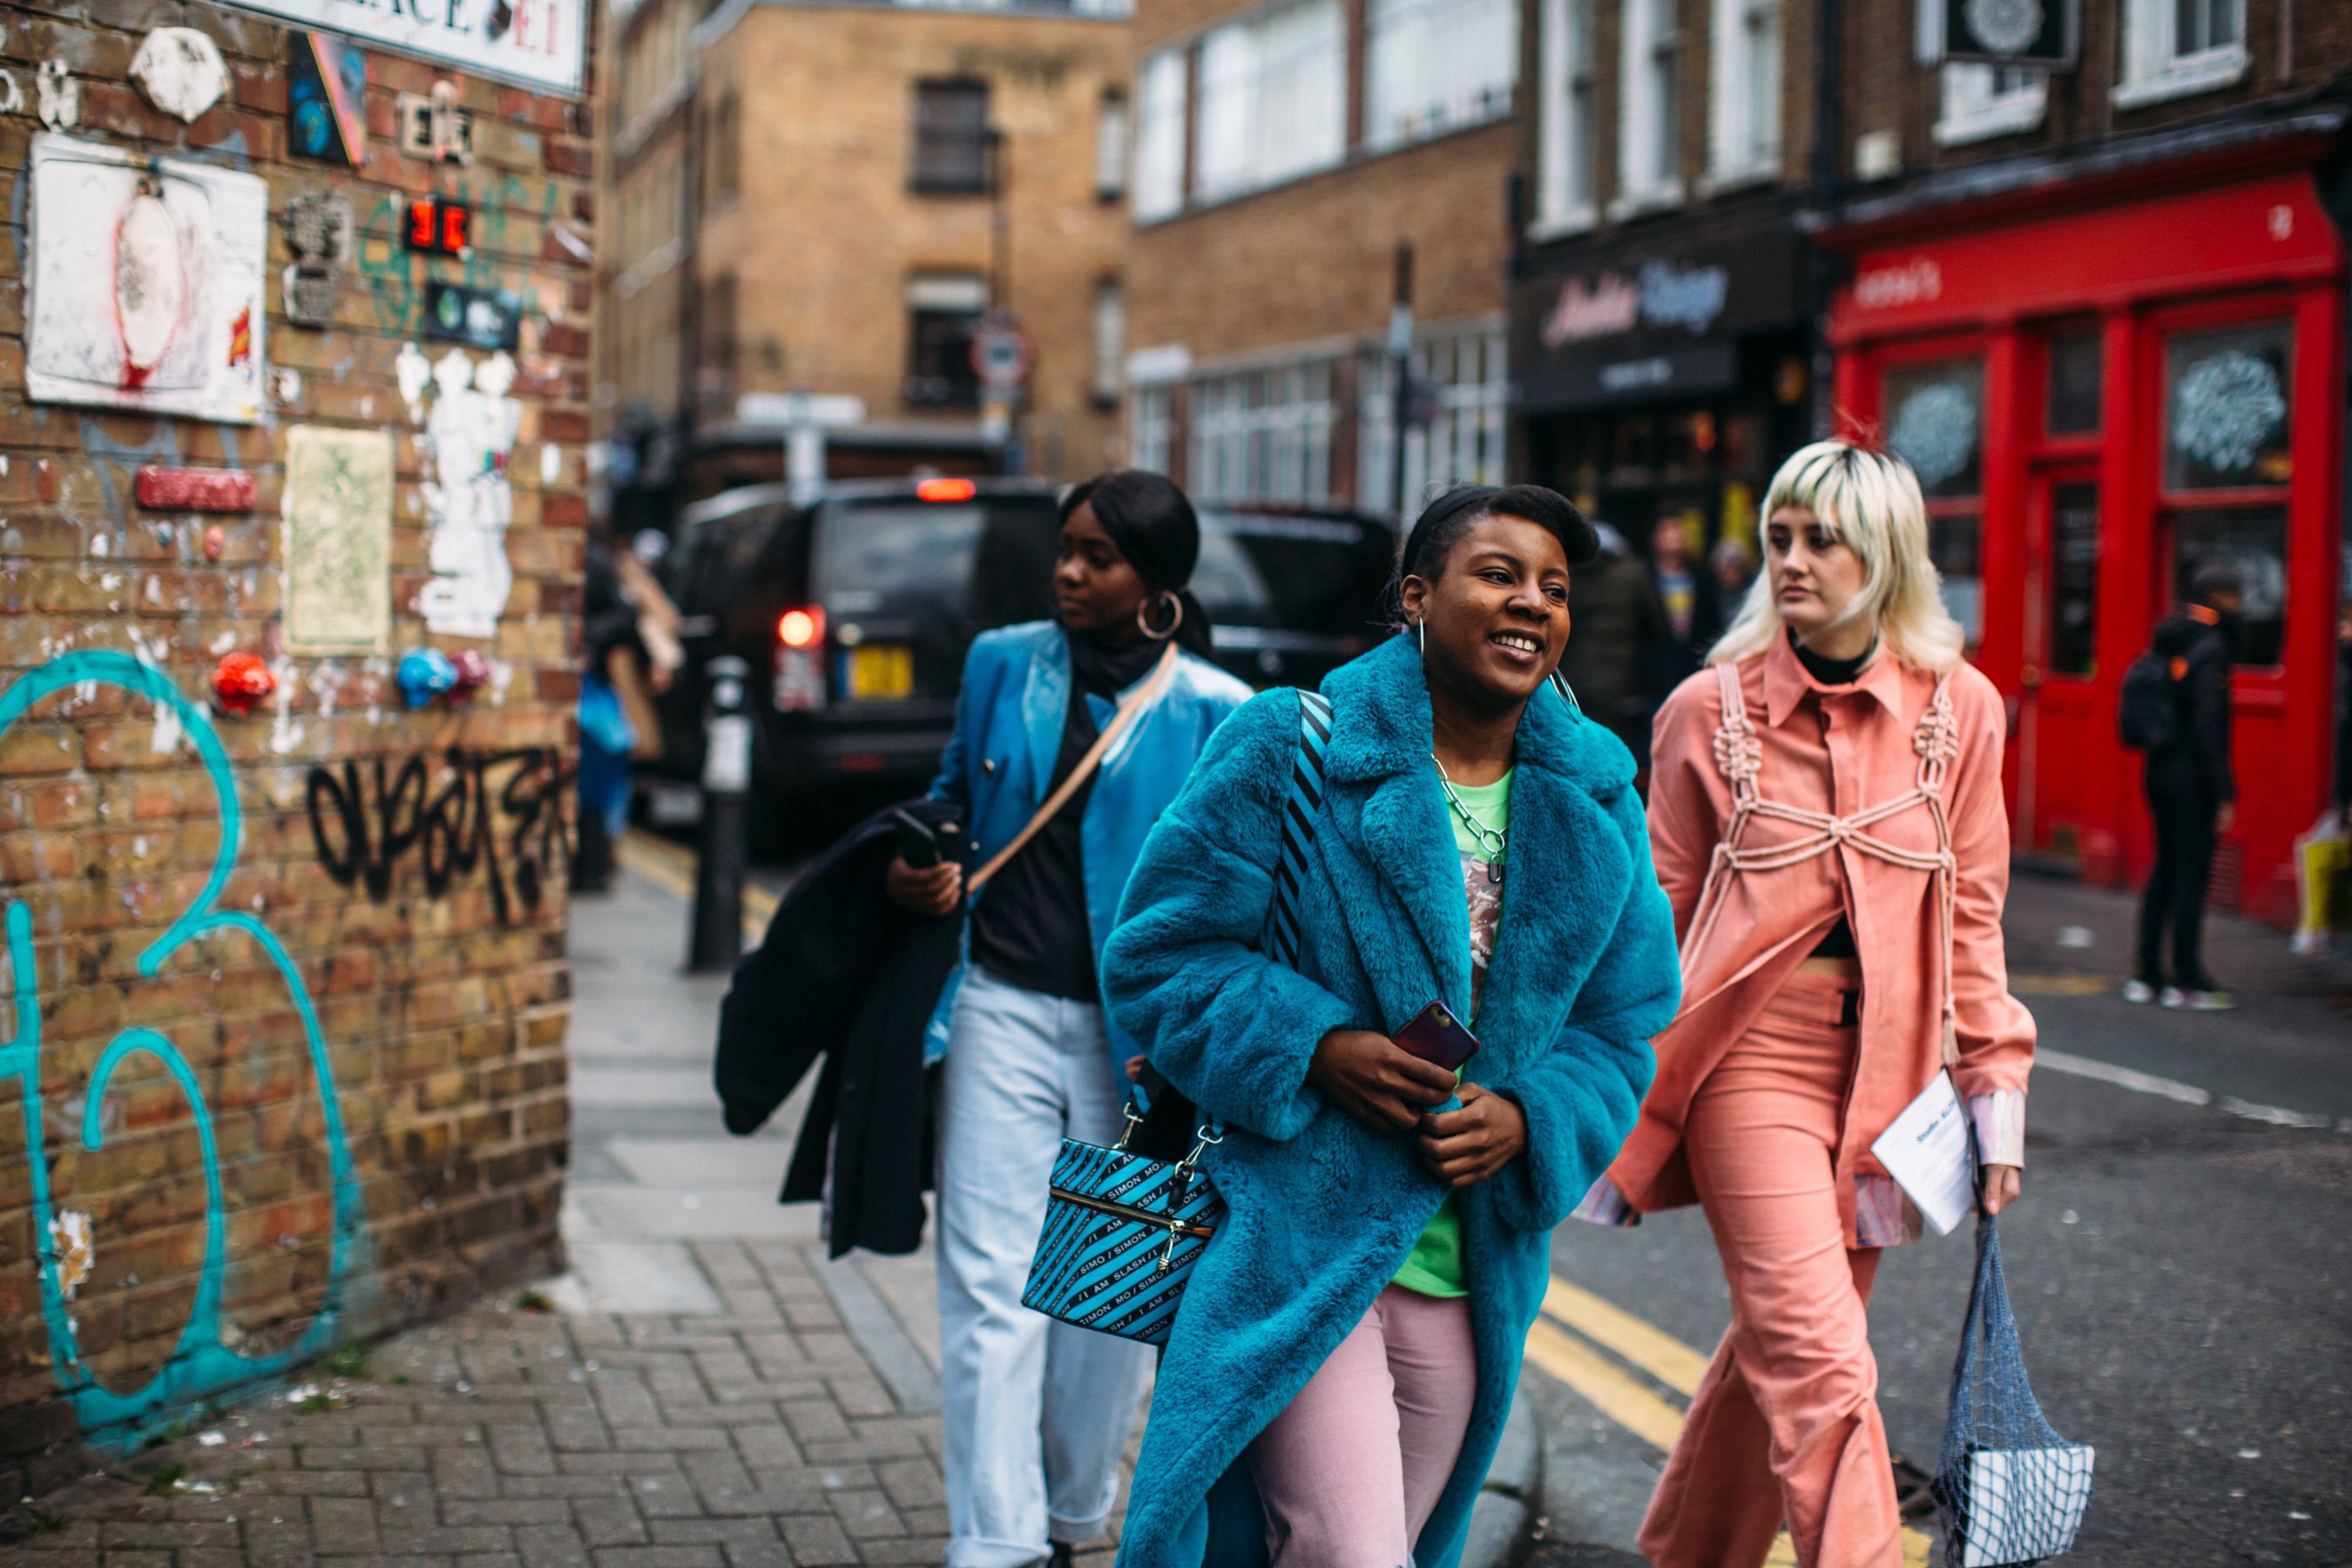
(1436, 1034)
(917, 844)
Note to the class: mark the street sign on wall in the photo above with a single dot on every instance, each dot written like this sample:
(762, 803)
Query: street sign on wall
(538, 43)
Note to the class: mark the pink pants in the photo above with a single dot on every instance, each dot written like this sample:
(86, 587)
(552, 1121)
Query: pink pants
(1785, 1426)
(1353, 1466)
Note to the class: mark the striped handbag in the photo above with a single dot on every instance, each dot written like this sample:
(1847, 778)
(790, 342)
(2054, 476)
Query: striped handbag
(1123, 1231)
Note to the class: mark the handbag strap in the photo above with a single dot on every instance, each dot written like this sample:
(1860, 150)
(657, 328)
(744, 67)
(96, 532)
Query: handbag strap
(1128, 710)
(1300, 808)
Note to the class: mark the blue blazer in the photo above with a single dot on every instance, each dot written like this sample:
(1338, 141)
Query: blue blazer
(1008, 732)
(1322, 1209)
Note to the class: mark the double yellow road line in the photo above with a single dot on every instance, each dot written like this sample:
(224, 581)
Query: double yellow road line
(670, 867)
(1567, 1342)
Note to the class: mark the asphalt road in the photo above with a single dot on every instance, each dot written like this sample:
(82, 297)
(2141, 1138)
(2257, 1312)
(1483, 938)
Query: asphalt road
(2179, 1272)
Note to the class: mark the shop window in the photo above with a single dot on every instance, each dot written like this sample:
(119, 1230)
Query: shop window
(952, 137)
(1649, 131)
(1111, 146)
(2076, 381)
(1159, 143)
(2226, 416)
(1432, 66)
(944, 311)
(1747, 97)
(1934, 423)
(2074, 578)
(1273, 99)
(1564, 180)
(1983, 101)
(1263, 434)
(2251, 541)
(2174, 47)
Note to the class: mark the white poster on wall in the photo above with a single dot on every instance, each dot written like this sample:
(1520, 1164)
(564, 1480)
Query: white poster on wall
(538, 43)
(147, 282)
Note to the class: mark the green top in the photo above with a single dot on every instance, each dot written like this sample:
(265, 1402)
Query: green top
(1436, 1265)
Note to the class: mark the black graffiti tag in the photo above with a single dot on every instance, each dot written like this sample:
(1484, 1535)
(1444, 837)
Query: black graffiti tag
(516, 831)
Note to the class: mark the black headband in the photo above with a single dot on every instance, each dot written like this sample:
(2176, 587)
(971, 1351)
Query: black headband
(1453, 503)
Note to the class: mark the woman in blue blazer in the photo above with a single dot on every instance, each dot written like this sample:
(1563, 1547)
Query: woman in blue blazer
(1352, 1333)
(1035, 1411)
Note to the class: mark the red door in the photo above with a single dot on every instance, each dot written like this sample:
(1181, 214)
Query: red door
(2061, 722)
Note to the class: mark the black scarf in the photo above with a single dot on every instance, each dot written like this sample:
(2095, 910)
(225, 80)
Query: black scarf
(1831, 672)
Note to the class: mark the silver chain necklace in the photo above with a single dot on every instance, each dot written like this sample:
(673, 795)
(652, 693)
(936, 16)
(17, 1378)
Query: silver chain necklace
(1492, 841)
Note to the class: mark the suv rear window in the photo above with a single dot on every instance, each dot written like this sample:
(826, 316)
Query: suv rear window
(992, 556)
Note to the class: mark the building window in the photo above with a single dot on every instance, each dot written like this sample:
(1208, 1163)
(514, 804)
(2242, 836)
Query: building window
(1564, 189)
(1110, 335)
(715, 377)
(943, 312)
(1273, 99)
(1263, 434)
(952, 137)
(1152, 439)
(1746, 101)
(722, 151)
(1432, 66)
(1935, 421)
(2227, 434)
(1984, 101)
(1470, 373)
(1649, 134)
(1159, 146)
(2077, 381)
(2174, 47)
(1111, 146)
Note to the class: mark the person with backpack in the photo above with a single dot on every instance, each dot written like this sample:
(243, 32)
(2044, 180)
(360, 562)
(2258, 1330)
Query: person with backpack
(1339, 1370)
(1071, 737)
(2175, 707)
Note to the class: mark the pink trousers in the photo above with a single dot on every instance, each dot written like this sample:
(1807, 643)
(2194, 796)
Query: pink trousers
(1785, 1426)
(1353, 1466)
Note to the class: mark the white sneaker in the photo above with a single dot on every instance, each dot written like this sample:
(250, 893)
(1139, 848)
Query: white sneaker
(2194, 1001)
(2138, 991)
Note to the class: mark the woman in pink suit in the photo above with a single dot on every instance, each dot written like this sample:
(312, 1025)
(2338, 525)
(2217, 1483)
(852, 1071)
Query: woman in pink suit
(1827, 820)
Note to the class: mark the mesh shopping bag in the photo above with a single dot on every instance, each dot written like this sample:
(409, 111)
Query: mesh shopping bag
(2010, 1489)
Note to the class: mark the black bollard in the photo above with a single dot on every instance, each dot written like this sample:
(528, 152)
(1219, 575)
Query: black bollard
(726, 798)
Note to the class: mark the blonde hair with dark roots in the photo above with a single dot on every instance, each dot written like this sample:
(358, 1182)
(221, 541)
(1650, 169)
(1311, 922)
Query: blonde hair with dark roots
(1871, 501)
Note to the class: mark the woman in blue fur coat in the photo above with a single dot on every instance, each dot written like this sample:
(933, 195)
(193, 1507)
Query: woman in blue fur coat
(1353, 1332)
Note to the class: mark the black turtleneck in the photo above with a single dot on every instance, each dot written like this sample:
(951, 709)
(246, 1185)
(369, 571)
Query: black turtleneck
(1829, 671)
(1031, 927)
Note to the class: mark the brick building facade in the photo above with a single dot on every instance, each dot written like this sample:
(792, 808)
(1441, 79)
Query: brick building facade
(1286, 153)
(829, 200)
(283, 1059)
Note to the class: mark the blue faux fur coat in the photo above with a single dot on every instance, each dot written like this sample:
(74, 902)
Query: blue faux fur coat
(1323, 1209)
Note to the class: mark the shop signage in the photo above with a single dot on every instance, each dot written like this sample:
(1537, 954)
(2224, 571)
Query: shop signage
(1915, 280)
(1661, 294)
(538, 43)
(1558, 385)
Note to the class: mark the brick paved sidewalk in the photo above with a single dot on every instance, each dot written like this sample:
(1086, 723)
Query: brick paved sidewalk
(714, 1393)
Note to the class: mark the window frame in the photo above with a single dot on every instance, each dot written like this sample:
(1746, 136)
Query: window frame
(962, 384)
(1163, 95)
(1431, 113)
(2154, 71)
(1250, 30)
(1649, 174)
(1739, 102)
(1973, 106)
(1568, 98)
(1114, 144)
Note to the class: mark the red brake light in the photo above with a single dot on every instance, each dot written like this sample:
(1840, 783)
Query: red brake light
(946, 490)
(799, 628)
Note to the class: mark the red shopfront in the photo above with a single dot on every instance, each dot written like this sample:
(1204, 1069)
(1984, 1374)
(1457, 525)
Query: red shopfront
(2099, 394)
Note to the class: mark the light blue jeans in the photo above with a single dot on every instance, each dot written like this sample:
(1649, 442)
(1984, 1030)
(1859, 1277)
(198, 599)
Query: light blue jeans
(1035, 1411)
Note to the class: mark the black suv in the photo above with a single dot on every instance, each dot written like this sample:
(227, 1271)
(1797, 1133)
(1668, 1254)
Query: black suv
(854, 614)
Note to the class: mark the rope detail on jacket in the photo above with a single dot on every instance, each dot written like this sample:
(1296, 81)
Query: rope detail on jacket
(1738, 754)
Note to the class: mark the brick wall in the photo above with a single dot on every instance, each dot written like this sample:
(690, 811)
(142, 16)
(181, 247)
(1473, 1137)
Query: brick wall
(316, 952)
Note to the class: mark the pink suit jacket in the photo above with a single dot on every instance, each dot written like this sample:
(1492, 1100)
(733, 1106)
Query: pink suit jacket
(1840, 751)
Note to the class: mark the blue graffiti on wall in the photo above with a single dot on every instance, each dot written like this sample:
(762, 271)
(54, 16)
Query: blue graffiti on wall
(201, 1362)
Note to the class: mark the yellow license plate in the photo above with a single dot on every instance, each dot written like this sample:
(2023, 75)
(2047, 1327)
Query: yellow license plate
(881, 672)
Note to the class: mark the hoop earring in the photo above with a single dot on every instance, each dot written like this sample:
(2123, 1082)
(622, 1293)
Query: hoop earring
(1175, 619)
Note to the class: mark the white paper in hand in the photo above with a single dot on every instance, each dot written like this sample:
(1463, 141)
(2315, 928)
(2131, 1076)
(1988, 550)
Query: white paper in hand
(1925, 1150)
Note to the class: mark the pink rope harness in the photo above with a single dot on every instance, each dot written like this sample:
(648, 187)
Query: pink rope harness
(1739, 751)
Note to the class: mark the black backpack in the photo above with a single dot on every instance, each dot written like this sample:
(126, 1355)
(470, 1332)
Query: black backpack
(2147, 711)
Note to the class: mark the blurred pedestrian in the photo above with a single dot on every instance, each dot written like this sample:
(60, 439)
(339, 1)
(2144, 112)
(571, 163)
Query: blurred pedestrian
(1734, 573)
(617, 720)
(1616, 615)
(2176, 703)
(1692, 615)
(1035, 1411)
(1828, 824)
(1348, 1346)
